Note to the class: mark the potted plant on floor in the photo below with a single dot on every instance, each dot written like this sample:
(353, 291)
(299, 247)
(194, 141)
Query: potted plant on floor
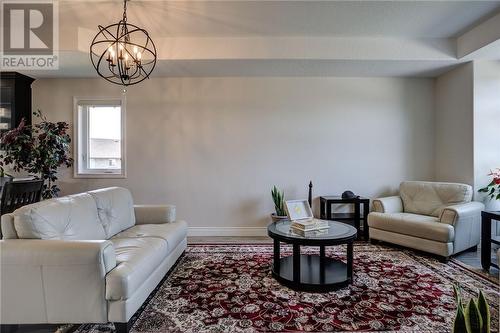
(38, 150)
(279, 205)
(474, 317)
(492, 191)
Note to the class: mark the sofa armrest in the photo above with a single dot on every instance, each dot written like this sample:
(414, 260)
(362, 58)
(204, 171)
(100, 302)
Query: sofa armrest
(388, 205)
(455, 213)
(154, 214)
(52, 274)
(7, 226)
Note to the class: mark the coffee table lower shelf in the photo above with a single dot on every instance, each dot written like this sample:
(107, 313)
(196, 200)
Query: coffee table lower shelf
(316, 274)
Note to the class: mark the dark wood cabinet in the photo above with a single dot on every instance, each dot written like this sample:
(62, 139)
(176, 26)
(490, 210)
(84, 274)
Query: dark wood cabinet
(15, 100)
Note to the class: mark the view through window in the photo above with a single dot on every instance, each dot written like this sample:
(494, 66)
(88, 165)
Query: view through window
(105, 137)
(100, 138)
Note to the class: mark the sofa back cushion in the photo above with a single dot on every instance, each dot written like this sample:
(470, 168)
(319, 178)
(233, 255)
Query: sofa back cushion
(72, 217)
(115, 208)
(430, 198)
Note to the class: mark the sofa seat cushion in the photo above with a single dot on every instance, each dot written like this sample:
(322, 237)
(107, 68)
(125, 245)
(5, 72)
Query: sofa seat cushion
(173, 233)
(136, 260)
(73, 217)
(421, 226)
(115, 208)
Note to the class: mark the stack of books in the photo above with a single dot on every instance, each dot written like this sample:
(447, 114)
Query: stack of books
(310, 226)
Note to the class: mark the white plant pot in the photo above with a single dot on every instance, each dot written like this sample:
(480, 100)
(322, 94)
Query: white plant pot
(277, 218)
(491, 205)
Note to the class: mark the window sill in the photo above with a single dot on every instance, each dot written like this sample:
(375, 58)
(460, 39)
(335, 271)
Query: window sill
(100, 176)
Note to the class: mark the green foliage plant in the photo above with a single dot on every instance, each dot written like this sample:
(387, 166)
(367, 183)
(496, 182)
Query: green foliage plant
(279, 201)
(473, 318)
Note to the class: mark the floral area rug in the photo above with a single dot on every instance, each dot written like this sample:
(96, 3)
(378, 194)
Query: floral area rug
(229, 288)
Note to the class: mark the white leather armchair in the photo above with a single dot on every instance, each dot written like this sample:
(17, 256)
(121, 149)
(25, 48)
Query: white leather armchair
(434, 217)
(87, 258)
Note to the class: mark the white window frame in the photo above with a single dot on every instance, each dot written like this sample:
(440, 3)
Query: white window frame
(79, 156)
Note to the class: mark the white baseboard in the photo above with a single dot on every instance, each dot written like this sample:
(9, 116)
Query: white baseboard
(227, 231)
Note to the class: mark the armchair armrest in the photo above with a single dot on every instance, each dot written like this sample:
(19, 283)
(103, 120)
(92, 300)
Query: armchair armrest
(154, 214)
(388, 205)
(53, 274)
(452, 214)
(466, 220)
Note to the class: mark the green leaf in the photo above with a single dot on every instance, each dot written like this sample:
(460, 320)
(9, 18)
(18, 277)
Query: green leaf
(484, 311)
(459, 322)
(458, 297)
(278, 199)
(473, 320)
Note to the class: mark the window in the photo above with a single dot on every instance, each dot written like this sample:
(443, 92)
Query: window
(100, 146)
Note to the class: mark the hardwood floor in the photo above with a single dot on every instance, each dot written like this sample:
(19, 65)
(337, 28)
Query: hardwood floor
(474, 259)
(469, 258)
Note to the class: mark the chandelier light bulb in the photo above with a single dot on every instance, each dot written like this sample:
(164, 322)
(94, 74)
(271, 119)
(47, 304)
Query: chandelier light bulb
(111, 56)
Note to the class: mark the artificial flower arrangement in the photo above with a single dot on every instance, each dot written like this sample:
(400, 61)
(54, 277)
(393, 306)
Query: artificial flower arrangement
(492, 190)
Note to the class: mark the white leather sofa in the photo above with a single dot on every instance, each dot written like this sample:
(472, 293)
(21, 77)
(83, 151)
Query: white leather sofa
(88, 258)
(438, 218)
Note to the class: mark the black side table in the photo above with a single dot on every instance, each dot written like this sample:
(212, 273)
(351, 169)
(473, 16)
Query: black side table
(487, 239)
(326, 203)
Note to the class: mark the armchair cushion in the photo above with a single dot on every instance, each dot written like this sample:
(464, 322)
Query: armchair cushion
(153, 214)
(430, 198)
(388, 205)
(420, 226)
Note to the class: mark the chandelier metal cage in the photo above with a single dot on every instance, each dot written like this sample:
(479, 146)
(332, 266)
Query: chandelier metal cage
(123, 53)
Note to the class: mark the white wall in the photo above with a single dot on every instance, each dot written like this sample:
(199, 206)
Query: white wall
(454, 125)
(486, 120)
(215, 146)
(467, 122)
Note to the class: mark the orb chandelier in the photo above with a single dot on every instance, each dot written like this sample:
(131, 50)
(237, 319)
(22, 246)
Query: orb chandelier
(123, 53)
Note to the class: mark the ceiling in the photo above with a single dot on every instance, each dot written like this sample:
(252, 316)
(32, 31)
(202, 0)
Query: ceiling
(426, 19)
(290, 38)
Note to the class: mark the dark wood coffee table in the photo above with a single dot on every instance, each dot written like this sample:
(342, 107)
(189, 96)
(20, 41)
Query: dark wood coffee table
(316, 273)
